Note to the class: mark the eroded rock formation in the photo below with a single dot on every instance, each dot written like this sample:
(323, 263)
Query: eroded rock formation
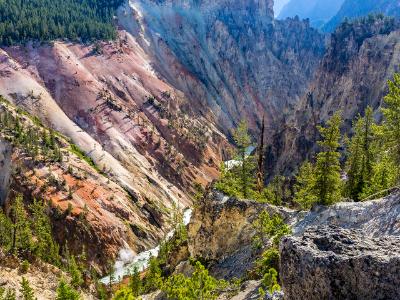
(221, 233)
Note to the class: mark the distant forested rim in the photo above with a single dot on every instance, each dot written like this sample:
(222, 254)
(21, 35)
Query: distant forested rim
(45, 20)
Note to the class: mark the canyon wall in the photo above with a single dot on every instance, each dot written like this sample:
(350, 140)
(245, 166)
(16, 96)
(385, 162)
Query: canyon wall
(231, 58)
(353, 74)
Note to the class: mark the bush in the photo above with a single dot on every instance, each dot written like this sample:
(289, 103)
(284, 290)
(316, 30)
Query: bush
(24, 268)
(270, 281)
(26, 290)
(268, 227)
(199, 286)
(66, 292)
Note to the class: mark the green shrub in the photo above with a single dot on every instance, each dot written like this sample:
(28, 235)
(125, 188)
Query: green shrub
(24, 268)
(66, 292)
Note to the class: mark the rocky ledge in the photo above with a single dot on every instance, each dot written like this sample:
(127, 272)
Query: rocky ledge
(331, 262)
(346, 251)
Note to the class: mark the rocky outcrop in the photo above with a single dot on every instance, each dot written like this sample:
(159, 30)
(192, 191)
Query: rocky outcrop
(347, 251)
(221, 233)
(5, 169)
(375, 218)
(353, 74)
(336, 263)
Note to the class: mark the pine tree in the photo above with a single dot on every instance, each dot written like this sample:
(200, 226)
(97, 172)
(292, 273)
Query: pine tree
(276, 191)
(66, 292)
(75, 272)
(22, 233)
(327, 170)
(246, 174)
(154, 278)
(391, 123)
(305, 186)
(361, 156)
(26, 290)
(44, 247)
(10, 295)
(135, 283)
(6, 231)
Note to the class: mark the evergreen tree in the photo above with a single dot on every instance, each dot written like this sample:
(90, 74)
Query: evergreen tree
(9, 295)
(327, 170)
(246, 174)
(66, 292)
(261, 159)
(26, 290)
(391, 122)
(276, 191)
(200, 286)
(46, 20)
(135, 283)
(44, 247)
(384, 176)
(75, 272)
(270, 281)
(154, 278)
(304, 187)
(6, 231)
(22, 233)
(361, 156)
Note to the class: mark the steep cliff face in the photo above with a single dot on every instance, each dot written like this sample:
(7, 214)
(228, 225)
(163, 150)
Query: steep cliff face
(353, 74)
(230, 58)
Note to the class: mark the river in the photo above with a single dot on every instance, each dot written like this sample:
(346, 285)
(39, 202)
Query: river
(128, 261)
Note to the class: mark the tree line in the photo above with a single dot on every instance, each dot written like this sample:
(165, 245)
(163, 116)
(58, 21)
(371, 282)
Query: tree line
(45, 20)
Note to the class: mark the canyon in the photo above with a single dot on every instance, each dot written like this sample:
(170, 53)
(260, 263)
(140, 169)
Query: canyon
(144, 123)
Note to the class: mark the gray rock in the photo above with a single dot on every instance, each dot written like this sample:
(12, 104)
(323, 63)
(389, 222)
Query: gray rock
(375, 218)
(330, 262)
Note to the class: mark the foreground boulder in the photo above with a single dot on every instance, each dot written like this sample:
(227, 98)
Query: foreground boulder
(347, 251)
(335, 263)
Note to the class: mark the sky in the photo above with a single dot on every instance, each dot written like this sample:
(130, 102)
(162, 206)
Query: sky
(279, 4)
